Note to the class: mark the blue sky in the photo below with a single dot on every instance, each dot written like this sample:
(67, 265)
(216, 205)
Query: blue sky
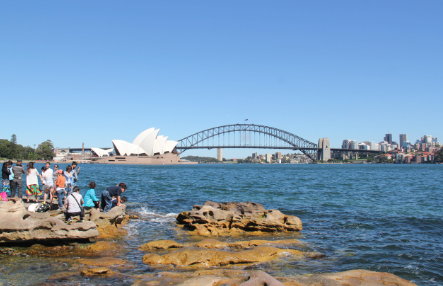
(93, 71)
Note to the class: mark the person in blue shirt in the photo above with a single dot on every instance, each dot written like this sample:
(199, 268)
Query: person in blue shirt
(91, 201)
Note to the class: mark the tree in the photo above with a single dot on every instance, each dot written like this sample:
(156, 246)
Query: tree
(439, 156)
(44, 150)
(14, 139)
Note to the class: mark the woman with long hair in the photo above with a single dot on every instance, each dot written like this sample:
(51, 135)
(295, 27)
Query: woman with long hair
(69, 179)
(32, 188)
(6, 172)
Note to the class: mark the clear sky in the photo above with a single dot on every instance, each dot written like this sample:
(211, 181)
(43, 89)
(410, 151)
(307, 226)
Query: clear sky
(94, 71)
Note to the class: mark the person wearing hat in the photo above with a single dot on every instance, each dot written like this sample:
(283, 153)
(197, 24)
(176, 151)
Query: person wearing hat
(17, 182)
(60, 186)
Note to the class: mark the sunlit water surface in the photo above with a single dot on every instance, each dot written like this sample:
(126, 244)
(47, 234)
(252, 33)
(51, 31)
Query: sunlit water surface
(377, 217)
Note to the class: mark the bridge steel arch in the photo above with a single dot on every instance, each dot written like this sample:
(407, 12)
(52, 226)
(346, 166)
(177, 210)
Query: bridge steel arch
(293, 141)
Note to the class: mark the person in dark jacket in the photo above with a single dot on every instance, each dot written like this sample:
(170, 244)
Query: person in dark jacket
(17, 182)
(113, 191)
(6, 172)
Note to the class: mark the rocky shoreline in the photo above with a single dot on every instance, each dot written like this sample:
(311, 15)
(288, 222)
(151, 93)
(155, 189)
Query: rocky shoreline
(201, 261)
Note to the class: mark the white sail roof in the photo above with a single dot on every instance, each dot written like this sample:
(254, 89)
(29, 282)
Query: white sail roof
(169, 146)
(124, 148)
(146, 143)
(101, 152)
(160, 144)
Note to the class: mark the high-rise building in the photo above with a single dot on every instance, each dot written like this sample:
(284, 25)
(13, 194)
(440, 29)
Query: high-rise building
(403, 139)
(388, 138)
(345, 144)
(254, 155)
(268, 157)
(220, 154)
(278, 155)
(427, 139)
(353, 145)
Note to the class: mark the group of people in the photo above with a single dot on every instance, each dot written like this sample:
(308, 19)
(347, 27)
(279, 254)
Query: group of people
(60, 184)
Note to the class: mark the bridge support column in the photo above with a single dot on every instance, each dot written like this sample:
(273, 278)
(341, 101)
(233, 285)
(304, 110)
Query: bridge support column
(220, 154)
(324, 149)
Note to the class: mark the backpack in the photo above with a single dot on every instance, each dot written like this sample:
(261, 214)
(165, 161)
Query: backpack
(43, 208)
(3, 196)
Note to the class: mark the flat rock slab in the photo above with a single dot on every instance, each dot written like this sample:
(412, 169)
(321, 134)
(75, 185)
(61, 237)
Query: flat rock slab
(260, 278)
(18, 225)
(194, 256)
(214, 219)
(216, 244)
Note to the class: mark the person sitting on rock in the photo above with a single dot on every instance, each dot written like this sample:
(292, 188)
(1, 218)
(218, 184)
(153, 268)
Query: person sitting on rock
(91, 201)
(113, 191)
(72, 205)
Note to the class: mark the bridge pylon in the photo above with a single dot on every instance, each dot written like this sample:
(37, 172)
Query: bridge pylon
(324, 149)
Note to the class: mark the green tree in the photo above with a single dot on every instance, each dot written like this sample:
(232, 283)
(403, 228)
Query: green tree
(439, 156)
(44, 150)
(14, 139)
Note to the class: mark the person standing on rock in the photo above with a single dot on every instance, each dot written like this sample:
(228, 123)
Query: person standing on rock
(75, 172)
(113, 191)
(69, 179)
(32, 188)
(5, 180)
(72, 205)
(17, 182)
(11, 175)
(60, 185)
(47, 177)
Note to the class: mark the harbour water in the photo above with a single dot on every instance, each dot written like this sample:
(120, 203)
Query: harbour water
(385, 218)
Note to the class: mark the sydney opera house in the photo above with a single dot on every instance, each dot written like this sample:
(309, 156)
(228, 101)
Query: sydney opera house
(147, 148)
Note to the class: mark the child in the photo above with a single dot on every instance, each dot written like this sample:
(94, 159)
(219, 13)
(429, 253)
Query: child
(123, 200)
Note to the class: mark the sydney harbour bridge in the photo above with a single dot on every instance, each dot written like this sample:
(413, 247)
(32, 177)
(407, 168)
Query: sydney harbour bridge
(260, 137)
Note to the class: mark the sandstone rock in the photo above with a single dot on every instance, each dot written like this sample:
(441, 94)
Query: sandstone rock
(222, 218)
(62, 275)
(213, 243)
(348, 278)
(114, 216)
(17, 225)
(98, 271)
(261, 278)
(227, 277)
(160, 244)
(210, 257)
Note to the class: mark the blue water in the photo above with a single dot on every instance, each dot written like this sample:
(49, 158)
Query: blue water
(377, 217)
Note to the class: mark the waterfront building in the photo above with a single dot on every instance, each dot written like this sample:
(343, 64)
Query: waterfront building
(403, 138)
(345, 144)
(427, 139)
(363, 146)
(147, 143)
(220, 154)
(353, 145)
(388, 138)
(254, 155)
(278, 155)
(268, 158)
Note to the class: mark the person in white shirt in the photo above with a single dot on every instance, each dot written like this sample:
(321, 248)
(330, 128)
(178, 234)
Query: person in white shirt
(32, 188)
(72, 205)
(48, 180)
